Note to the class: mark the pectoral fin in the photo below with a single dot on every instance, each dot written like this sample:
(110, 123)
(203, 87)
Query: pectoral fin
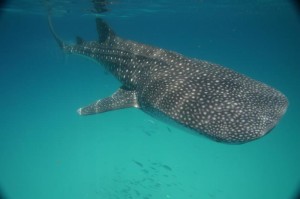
(122, 98)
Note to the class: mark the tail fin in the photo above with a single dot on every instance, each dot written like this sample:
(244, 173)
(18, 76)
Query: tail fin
(106, 34)
(56, 37)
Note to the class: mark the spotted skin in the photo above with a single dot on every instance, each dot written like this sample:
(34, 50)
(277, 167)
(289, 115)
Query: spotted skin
(210, 99)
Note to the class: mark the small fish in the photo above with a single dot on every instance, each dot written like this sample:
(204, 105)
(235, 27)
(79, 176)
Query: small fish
(166, 167)
(138, 163)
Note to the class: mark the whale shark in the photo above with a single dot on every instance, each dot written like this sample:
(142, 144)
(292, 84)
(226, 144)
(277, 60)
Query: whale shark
(207, 98)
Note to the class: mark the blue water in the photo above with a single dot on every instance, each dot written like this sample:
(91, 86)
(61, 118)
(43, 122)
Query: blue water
(47, 151)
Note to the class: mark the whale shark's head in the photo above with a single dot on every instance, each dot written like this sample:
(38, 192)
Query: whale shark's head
(243, 116)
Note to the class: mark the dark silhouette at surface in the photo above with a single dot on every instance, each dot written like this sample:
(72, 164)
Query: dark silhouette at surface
(100, 6)
(297, 5)
(2, 4)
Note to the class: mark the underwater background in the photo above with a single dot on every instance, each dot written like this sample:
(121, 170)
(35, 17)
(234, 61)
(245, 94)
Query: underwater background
(48, 151)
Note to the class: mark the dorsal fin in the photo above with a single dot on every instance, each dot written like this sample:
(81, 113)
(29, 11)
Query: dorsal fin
(106, 34)
(79, 40)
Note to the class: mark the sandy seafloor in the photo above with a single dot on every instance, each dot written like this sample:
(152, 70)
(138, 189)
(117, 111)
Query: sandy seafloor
(47, 151)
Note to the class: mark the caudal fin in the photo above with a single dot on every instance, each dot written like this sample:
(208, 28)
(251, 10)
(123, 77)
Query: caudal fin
(56, 37)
